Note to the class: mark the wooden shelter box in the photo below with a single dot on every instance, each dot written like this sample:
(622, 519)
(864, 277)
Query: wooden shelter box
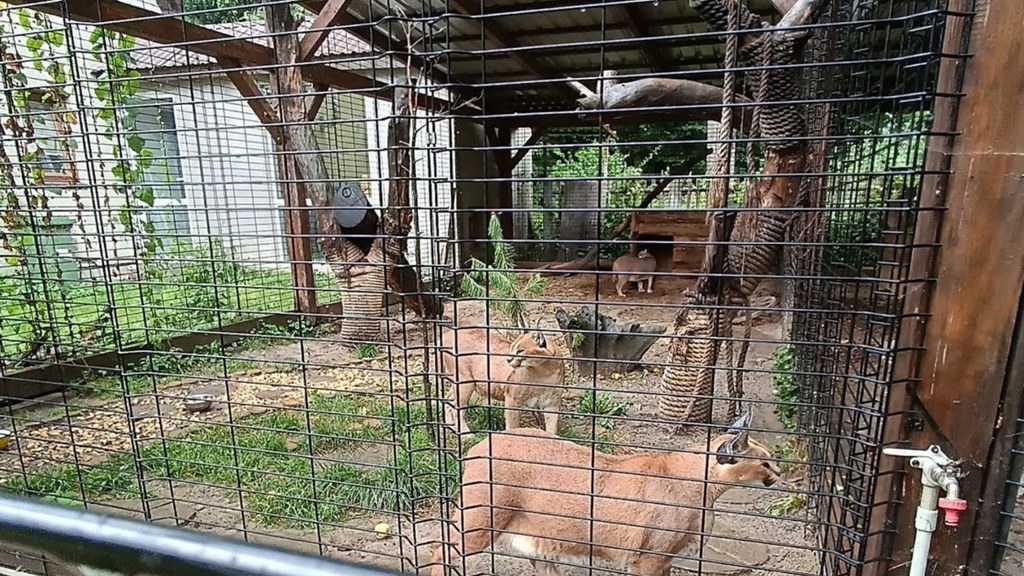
(675, 237)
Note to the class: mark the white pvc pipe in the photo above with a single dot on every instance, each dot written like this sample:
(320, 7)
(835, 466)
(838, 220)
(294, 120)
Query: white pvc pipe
(925, 521)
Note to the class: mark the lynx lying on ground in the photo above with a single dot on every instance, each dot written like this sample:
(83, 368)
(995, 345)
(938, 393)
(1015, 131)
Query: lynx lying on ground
(629, 268)
(531, 490)
(528, 373)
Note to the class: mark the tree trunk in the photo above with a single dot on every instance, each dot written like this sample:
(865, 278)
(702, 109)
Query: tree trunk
(758, 235)
(363, 276)
(603, 345)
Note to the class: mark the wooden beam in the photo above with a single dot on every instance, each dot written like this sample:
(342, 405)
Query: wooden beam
(171, 30)
(992, 527)
(535, 137)
(505, 39)
(965, 354)
(631, 16)
(315, 101)
(287, 85)
(321, 28)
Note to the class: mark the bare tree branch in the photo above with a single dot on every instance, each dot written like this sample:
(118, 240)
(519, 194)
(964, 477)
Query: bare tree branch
(699, 101)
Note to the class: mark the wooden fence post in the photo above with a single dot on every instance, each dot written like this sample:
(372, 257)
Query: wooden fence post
(963, 359)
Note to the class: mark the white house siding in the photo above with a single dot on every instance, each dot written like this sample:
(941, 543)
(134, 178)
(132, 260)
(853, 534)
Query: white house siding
(228, 172)
(228, 166)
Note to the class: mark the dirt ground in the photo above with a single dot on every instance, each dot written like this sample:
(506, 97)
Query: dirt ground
(744, 537)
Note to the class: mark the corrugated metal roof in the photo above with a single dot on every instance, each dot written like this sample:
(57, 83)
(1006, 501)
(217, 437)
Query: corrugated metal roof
(564, 38)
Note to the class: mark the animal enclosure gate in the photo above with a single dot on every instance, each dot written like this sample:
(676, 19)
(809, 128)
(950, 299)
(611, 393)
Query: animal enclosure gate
(259, 256)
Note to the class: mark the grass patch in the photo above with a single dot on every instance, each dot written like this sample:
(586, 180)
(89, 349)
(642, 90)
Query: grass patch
(367, 351)
(786, 505)
(284, 462)
(187, 289)
(602, 406)
(483, 419)
(164, 367)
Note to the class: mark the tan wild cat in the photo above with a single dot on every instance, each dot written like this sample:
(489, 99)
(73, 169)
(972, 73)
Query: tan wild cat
(629, 268)
(531, 491)
(528, 373)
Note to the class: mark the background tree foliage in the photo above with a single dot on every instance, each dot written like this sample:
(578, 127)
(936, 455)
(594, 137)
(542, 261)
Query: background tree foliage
(220, 11)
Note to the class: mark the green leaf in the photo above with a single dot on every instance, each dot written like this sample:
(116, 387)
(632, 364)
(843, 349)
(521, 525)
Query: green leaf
(24, 20)
(136, 143)
(34, 44)
(145, 195)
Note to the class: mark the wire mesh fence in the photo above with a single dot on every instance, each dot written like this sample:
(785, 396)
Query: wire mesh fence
(1009, 552)
(272, 269)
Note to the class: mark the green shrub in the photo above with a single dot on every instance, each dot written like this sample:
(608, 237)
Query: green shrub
(786, 390)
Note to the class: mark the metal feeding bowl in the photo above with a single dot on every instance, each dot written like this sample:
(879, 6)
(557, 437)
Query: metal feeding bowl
(5, 438)
(198, 402)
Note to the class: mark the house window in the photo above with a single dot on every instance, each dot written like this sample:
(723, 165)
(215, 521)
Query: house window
(53, 159)
(155, 123)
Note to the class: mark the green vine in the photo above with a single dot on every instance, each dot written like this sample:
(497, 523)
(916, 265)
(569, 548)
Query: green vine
(786, 389)
(116, 89)
(25, 195)
(36, 77)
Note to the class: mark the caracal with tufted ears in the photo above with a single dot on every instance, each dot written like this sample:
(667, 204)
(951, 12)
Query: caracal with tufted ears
(528, 373)
(532, 491)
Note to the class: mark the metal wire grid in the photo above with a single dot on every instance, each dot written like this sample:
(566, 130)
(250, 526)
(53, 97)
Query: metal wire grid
(1009, 552)
(316, 442)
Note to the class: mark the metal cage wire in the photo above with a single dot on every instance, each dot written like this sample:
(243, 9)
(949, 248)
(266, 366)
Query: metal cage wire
(238, 233)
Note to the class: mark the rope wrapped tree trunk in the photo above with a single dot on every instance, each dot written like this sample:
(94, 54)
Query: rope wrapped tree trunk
(755, 242)
(363, 276)
(366, 282)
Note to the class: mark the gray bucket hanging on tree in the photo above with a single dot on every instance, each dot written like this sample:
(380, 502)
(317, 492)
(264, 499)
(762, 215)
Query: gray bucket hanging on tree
(353, 213)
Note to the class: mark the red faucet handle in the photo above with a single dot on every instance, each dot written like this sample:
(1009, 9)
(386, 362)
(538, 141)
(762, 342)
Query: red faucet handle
(951, 508)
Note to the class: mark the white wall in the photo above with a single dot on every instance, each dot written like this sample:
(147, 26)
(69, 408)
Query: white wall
(228, 166)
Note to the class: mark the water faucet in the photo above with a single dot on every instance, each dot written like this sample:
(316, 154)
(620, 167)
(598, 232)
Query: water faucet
(940, 472)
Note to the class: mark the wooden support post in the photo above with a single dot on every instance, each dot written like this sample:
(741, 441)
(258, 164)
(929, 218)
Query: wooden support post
(287, 85)
(966, 351)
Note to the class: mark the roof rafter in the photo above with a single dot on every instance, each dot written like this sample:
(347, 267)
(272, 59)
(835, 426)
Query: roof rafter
(320, 29)
(386, 43)
(498, 34)
(172, 30)
(635, 23)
